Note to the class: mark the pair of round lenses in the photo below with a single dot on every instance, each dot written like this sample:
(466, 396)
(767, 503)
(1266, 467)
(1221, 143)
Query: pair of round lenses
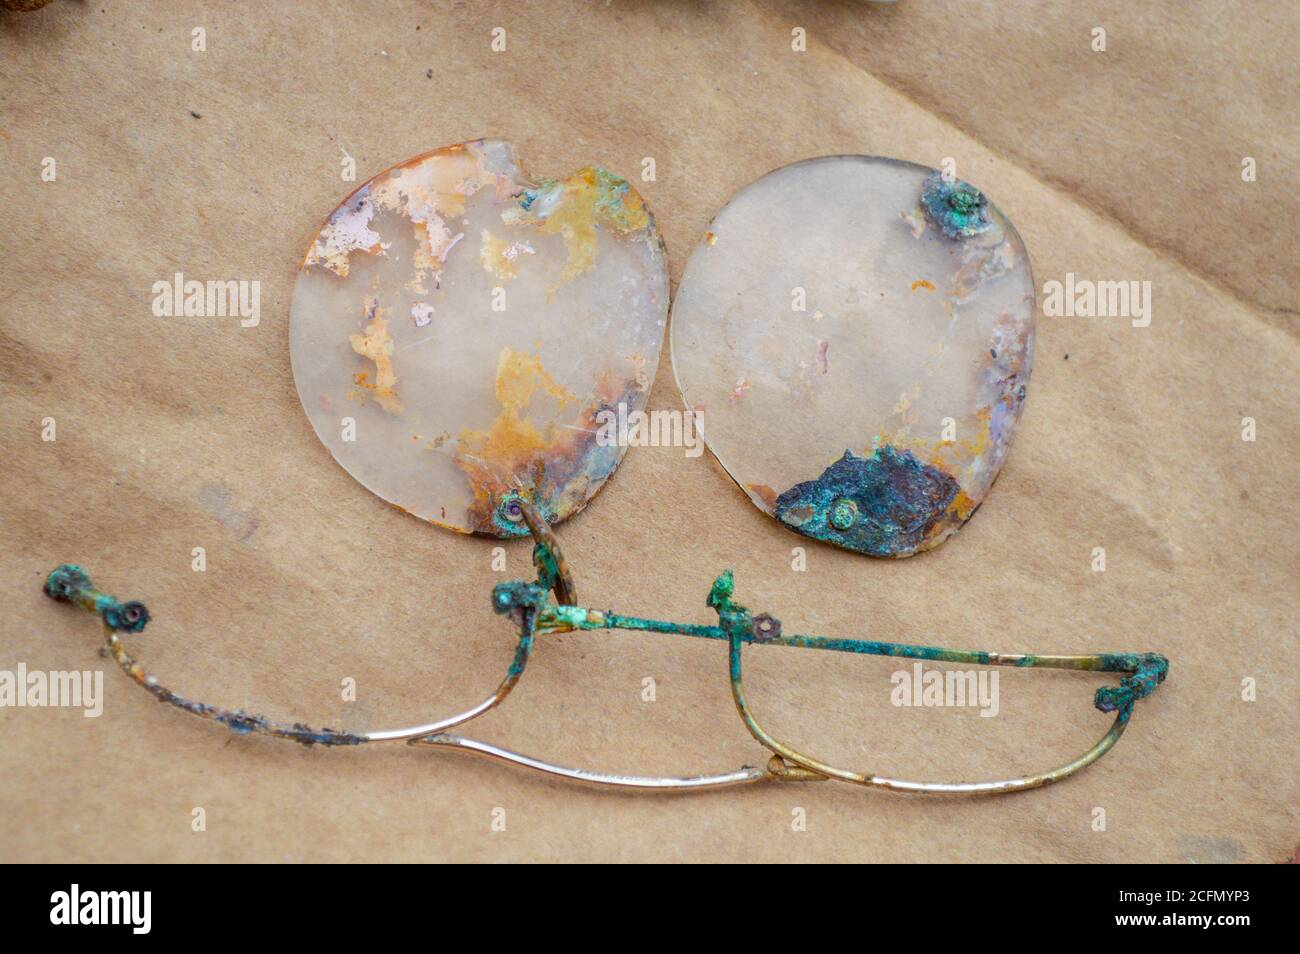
(853, 334)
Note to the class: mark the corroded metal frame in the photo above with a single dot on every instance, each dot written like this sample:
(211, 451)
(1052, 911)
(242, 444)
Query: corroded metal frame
(528, 605)
(789, 758)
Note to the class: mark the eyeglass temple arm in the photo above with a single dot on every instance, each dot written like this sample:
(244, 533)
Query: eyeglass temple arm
(71, 584)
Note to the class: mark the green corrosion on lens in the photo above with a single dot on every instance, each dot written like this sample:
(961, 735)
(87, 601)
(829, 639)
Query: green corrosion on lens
(508, 517)
(958, 208)
(883, 505)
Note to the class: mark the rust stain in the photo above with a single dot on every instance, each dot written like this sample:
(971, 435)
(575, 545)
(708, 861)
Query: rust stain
(507, 447)
(557, 465)
(764, 493)
(571, 208)
(377, 345)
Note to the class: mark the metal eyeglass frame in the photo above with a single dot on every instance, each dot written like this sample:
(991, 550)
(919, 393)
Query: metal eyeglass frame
(528, 605)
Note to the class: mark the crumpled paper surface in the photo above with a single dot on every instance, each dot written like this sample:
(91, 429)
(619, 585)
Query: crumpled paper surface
(176, 433)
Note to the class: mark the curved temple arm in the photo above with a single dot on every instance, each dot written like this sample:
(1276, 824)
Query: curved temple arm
(70, 583)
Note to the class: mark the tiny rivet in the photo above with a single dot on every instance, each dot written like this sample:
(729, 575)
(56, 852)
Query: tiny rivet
(843, 513)
(766, 627)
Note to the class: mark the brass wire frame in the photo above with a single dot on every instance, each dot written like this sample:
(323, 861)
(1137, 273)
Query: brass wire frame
(789, 757)
(527, 604)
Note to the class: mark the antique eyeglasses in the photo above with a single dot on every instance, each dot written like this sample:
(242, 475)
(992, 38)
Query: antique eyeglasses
(461, 333)
(548, 605)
